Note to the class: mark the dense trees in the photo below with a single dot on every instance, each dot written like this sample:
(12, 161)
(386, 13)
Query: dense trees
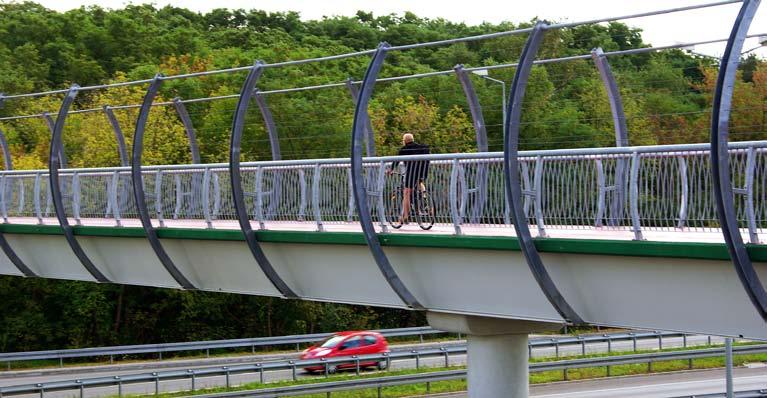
(666, 95)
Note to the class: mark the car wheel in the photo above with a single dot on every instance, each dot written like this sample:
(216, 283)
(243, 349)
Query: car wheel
(382, 365)
(332, 369)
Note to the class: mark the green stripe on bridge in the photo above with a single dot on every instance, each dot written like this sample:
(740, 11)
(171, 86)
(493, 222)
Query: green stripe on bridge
(689, 250)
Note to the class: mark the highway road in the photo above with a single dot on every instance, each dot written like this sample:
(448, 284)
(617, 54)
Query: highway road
(34, 377)
(662, 385)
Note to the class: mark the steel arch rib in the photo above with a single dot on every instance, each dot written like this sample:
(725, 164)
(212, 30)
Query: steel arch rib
(4, 245)
(480, 128)
(619, 125)
(720, 162)
(370, 142)
(119, 136)
(271, 127)
(138, 187)
(512, 182)
(358, 182)
(54, 162)
(238, 195)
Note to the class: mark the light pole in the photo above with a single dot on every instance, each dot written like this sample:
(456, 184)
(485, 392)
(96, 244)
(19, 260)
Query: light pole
(483, 74)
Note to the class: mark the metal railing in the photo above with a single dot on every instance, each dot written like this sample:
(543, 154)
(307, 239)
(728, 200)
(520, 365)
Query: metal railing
(328, 365)
(206, 346)
(296, 340)
(664, 188)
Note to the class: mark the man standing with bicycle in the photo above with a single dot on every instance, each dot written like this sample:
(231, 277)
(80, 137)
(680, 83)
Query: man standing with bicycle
(416, 171)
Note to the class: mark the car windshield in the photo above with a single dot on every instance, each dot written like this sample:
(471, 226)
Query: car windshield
(331, 342)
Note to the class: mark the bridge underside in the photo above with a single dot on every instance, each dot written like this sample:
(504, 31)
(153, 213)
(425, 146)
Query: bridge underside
(673, 285)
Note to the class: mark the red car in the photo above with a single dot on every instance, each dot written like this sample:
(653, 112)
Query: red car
(345, 344)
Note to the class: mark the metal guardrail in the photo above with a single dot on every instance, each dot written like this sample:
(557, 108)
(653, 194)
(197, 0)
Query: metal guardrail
(312, 338)
(737, 394)
(329, 365)
(198, 345)
(664, 187)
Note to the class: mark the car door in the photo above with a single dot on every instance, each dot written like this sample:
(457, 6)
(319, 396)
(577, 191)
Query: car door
(352, 346)
(370, 346)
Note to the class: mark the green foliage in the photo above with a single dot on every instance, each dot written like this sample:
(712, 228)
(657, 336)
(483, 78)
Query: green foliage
(666, 96)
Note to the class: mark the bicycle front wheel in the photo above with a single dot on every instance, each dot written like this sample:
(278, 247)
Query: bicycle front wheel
(425, 210)
(394, 208)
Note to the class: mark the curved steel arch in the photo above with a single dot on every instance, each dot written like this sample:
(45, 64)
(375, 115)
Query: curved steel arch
(480, 129)
(370, 143)
(275, 194)
(513, 184)
(271, 127)
(191, 135)
(358, 182)
(138, 187)
(4, 245)
(621, 131)
(720, 162)
(475, 108)
(54, 163)
(238, 195)
(119, 136)
(52, 126)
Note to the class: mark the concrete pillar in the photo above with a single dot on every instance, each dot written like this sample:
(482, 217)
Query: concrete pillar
(497, 352)
(498, 366)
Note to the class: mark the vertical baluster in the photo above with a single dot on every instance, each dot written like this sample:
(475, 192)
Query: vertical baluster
(316, 197)
(206, 198)
(454, 212)
(635, 223)
(158, 198)
(76, 198)
(36, 200)
(538, 187)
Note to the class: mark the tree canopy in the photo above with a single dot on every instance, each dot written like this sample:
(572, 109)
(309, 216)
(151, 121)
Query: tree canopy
(667, 98)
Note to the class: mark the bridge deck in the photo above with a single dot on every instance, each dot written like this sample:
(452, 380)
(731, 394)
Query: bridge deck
(554, 231)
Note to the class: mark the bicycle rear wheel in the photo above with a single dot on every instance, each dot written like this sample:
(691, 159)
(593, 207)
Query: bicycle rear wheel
(425, 210)
(394, 208)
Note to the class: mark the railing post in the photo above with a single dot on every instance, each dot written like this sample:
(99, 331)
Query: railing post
(316, 197)
(635, 222)
(749, 187)
(685, 187)
(3, 196)
(259, 199)
(206, 197)
(453, 192)
(76, 198)
(113, 197)
(158, 197)
(302, 195)
(601, 193)
(380, 193)
(36, 200)
(179, 196)
(350, 201)
(538, 187)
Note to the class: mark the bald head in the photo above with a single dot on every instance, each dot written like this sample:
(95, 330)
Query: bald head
(407, 138)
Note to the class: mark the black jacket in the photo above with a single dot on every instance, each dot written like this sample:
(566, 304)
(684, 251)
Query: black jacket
(414, 169)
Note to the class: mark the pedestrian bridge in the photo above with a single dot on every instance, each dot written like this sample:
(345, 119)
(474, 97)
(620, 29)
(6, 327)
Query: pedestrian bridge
(629, 235)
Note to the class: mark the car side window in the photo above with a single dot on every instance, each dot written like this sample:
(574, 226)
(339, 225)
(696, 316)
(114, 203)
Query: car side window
(353, 342)
(370, 340)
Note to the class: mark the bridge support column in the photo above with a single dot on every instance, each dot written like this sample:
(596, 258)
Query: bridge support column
(497, 352)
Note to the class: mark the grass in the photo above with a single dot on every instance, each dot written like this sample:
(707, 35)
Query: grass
(460, 385)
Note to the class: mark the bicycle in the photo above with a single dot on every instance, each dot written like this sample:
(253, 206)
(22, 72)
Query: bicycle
(421, 202)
